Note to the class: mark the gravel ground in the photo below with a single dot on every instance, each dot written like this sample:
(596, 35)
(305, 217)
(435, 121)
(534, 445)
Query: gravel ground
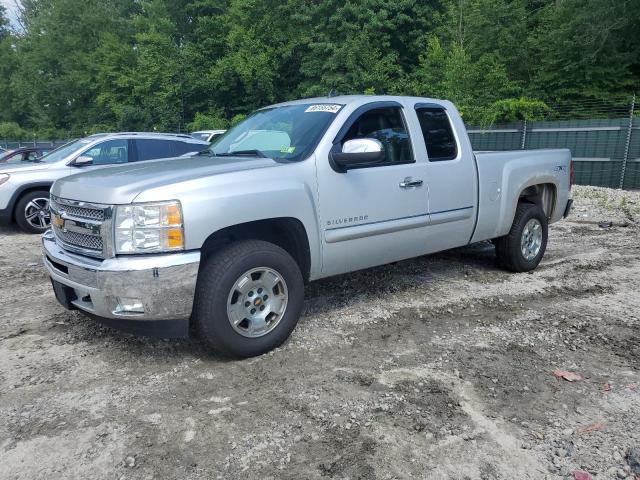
(439, 367)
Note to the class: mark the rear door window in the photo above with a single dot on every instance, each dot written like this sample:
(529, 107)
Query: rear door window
(438, 133)
(150, 149)
(182, 148)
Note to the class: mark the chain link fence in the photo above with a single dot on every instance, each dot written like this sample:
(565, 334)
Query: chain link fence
(13, 144)
(604, 140)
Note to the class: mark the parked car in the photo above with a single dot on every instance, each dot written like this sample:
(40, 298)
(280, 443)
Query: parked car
(296, 192)
(24, 187)
(23, 154)
(207, 135)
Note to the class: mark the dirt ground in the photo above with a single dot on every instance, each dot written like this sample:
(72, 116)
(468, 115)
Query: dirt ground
(439, 367)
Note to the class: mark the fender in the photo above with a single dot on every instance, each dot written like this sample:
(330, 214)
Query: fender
(239, 197)
(7, 214)
(508, 211)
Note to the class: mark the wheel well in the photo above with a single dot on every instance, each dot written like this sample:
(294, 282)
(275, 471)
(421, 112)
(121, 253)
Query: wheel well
(543, 195)
(288, 233)
(25, 191)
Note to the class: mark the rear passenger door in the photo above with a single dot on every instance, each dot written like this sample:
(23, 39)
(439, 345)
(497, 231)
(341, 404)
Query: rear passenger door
(184, 148)
(450, 175)
(152, 149)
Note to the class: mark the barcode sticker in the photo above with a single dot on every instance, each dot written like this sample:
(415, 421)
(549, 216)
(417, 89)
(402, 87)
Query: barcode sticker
(324, 107)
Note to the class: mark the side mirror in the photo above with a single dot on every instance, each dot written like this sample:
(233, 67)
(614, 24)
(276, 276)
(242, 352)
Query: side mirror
(356, 153)
(83, 160)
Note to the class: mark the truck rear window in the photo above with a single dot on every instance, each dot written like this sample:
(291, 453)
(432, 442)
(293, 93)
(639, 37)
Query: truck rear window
(438, 134)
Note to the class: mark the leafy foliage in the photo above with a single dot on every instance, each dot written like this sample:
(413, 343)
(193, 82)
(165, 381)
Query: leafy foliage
(514, 109)
(78, 66)
(207, 122)
(12, 130)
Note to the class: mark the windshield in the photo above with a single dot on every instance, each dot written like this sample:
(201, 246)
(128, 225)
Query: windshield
(64, 151)
(4, 154)
(290, 132)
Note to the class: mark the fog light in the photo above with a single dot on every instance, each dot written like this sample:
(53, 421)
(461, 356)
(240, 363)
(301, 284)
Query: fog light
(129, 305)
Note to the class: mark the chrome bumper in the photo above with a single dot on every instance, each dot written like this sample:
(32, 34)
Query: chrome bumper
(165, 284)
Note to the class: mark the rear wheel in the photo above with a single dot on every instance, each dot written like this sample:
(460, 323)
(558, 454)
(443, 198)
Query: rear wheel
(248, 299)
(32, 212)
(522, 249)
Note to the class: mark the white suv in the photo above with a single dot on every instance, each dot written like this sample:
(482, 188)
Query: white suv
(208, 135)
(24, 188)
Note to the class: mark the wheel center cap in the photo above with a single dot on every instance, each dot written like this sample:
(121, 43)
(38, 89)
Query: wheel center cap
(257, 302)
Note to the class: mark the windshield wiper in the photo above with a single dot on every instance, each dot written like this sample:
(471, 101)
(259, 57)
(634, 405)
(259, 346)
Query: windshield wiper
(253, 153)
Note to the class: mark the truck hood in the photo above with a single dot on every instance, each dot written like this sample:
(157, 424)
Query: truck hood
(122, 184)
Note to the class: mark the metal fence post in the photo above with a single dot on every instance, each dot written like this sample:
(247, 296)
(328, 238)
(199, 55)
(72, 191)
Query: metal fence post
(628, 141)
(524, 134)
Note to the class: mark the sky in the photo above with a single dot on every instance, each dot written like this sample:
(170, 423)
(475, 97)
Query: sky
(10, 5)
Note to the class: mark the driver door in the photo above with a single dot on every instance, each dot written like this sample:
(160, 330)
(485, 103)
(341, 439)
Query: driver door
(374, 214)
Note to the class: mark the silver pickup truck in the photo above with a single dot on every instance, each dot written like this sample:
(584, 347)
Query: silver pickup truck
(224, 241)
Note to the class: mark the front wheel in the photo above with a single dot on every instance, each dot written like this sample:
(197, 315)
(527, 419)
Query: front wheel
(32, 212)
(522, 249)
(248, 298)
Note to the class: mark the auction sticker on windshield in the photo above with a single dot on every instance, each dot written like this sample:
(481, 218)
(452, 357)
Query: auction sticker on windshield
(324, 107)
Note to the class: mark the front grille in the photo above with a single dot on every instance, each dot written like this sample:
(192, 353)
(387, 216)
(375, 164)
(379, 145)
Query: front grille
(81, 227)
(88, 213)
(78, 212)
(80, 240)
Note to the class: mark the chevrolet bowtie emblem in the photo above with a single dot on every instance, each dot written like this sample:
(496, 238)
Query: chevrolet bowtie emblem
(57, 221)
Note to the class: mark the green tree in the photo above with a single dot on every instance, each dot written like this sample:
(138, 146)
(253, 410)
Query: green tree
(12, 131)
(204, 121)
(77, 66)
(54, 82)
(8, 63)
(514, 109)
(586, 49)
(451, 73)
(372, 44)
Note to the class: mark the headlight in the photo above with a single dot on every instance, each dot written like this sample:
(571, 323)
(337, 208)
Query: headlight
(3, 178)
(149, 228)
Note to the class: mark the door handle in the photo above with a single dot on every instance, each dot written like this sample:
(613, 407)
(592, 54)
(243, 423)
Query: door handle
(410, 183)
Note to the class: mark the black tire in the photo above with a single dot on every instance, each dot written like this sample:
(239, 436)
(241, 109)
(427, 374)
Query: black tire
(216, 279)
(21, 207)
(508, 248)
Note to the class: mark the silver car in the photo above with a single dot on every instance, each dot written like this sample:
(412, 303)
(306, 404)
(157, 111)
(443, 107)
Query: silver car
(24, 187)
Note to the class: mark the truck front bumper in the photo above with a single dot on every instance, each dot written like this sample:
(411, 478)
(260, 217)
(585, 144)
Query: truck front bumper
(143, 294)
